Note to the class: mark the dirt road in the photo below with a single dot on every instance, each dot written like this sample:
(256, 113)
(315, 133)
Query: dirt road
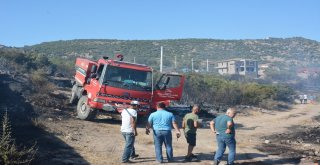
(99, 142)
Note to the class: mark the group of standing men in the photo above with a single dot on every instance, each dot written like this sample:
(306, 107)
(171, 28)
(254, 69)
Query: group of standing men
(161, 122)
(303, 99)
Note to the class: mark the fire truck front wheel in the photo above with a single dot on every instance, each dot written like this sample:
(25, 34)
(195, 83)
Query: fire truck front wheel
(84, 111)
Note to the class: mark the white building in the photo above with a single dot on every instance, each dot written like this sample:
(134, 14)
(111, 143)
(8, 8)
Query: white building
(238, 66)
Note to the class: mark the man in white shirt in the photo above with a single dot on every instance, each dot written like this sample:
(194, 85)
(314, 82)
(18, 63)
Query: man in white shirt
(129, 130)
(305, 99)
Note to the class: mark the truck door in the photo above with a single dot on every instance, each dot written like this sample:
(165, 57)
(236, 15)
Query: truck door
(169, 87)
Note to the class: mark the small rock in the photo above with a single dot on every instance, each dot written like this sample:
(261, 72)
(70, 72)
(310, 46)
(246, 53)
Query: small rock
(50, 119)
(311, 153)
(307, 145)
(73, 139)
(267, 141)
(67, 137)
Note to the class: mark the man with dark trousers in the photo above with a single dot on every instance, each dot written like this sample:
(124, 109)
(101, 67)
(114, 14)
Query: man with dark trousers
(190, 124)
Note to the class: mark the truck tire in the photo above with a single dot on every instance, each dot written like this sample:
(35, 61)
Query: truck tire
(142, 120)
(84, 111)
(73, 97)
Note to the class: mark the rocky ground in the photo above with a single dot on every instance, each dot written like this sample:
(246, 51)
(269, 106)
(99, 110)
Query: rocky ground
(263, 137)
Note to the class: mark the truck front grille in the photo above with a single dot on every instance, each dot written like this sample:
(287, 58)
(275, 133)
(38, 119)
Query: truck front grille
(125, 98)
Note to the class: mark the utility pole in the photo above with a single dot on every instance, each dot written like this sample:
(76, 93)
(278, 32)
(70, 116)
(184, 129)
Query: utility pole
(191, 64)
(207, 65)
(175, 62)
(134, 59)
(161, 55)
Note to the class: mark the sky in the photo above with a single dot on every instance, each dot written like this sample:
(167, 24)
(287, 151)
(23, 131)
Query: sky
(29, 22)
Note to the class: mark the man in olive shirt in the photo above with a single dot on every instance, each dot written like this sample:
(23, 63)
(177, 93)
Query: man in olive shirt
(190, 125)
(223, 127)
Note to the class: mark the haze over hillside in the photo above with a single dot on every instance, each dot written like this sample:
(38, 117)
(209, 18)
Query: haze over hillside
(297, 48)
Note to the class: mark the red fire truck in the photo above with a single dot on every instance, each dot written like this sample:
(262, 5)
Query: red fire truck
(108, 85)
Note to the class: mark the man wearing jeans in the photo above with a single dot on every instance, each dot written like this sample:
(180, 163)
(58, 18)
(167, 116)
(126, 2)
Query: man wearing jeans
(223, 127)
(129, 130)
(161, 122)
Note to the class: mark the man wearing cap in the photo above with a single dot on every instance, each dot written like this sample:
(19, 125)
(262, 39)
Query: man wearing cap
(161, 122)
(129, 130)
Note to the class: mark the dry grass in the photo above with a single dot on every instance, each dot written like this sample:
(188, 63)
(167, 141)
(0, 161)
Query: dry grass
(37, 122)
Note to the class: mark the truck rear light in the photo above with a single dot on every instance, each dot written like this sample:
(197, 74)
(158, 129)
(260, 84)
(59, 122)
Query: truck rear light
(99, 100)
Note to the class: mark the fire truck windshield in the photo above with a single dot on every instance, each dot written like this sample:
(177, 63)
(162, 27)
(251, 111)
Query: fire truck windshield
(128, 78)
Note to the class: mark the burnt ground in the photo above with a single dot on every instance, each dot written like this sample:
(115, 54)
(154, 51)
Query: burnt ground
(273, 137)
(300, 142)
(26, 130)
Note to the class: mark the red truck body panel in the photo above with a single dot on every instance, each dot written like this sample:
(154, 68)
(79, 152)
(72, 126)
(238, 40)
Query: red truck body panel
(83, 69)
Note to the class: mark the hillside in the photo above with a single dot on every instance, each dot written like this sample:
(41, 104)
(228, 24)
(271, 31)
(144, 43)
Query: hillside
(291, 50)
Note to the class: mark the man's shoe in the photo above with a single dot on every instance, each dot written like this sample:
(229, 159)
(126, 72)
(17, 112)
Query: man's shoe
(215, 162)
(193, 156)
(188, 159)
(160, 162)
(133, 157)
(125, 162)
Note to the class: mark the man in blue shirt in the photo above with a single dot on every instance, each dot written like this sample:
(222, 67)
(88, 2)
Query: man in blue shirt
(223, 127)
(161, 122)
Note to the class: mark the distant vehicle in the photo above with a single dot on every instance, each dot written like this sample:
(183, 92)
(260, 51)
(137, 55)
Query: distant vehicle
(108, 85)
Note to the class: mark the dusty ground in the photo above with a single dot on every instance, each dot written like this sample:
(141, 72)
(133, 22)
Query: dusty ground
(63, 139)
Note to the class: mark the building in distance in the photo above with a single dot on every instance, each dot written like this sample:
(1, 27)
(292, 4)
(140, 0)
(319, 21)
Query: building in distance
(243, 67)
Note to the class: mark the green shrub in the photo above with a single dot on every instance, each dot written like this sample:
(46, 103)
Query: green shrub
(40, 82)
(216, 90)
(10, 153)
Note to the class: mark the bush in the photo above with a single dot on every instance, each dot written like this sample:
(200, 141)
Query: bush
(9, 152)
(216, 90)
(39, 79)
(268, 104)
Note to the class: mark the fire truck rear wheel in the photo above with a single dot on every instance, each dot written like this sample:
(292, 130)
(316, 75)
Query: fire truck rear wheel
(84, 111)
(73, 97)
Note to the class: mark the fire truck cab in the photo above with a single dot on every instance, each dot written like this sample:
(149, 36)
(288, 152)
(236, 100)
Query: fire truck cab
(108, 85)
